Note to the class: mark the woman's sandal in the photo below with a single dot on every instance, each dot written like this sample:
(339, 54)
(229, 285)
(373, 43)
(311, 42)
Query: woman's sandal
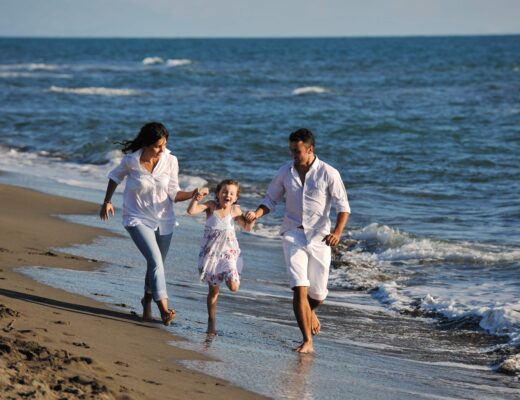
(147, 310)
(168, 318)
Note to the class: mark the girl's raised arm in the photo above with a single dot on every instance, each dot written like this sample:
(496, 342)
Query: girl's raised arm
(195, 207)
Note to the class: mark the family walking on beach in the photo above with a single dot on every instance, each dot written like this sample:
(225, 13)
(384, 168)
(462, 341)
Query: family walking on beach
(309, 187)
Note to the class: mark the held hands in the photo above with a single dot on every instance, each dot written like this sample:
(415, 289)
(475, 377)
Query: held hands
(200, 193)
(250, 216)
(107, 210)
(331, 239)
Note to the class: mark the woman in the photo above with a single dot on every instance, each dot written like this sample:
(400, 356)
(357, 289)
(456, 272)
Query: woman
(152, 187)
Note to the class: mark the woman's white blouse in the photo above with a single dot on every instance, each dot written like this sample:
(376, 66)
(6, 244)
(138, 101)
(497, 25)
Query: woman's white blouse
(148, 197)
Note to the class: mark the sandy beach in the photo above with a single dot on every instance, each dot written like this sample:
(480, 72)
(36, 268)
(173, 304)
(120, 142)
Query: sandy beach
(55, 344)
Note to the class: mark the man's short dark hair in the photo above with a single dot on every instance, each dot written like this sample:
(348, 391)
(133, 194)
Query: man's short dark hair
(302, 135)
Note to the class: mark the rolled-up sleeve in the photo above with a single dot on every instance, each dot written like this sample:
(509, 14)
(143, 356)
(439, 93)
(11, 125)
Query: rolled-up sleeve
(338, 193)
(120, 172)
(173, 184)
(275, 191)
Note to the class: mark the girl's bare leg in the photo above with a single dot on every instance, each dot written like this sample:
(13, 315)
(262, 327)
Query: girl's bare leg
(233, 285)
(213, 292)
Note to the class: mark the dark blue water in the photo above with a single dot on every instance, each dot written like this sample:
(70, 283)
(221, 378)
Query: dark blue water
(425, 133)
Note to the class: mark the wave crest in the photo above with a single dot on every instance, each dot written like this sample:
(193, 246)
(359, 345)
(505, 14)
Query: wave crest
(172, 62)
(178, 63)
(309, 90)
(95, 91)
(153, 60)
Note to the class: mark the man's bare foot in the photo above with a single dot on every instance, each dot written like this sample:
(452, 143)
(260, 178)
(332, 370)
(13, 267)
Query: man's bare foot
(315, 324)
(305, 347)
(147, 310)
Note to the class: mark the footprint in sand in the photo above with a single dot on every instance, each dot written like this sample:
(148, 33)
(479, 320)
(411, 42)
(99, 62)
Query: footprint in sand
(152, 382)
(27, 332)
(8, 312)
(81, 344)
(61, 322)
(121, 363)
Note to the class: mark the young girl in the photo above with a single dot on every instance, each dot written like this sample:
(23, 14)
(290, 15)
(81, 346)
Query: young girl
(219, 257)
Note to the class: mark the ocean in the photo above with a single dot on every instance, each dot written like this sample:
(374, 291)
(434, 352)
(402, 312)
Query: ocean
(425, 131)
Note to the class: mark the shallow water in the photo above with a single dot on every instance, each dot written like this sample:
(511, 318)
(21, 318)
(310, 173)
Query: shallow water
(364, 350)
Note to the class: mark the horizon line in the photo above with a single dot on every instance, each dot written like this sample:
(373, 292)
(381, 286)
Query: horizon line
(268, 37)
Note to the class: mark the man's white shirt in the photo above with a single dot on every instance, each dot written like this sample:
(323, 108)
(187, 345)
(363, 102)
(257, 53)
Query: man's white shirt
(308, 205)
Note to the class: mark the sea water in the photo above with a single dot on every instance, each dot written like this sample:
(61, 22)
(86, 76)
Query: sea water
(425, 132)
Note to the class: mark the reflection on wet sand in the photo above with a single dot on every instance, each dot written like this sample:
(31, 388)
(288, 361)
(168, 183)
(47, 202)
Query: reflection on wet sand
(297, 384)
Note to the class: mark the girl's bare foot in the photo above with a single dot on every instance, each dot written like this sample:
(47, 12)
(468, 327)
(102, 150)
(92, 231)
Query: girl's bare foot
(315, 324)
(305, 347)
(212, 327)
(147, 309)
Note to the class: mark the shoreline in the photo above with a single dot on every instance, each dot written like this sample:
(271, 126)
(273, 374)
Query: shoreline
(56, 344)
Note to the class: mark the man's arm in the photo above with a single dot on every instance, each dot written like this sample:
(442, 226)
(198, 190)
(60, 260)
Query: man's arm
(274, 194)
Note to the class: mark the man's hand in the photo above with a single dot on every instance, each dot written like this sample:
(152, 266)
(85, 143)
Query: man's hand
(331, 240)
(250, 216)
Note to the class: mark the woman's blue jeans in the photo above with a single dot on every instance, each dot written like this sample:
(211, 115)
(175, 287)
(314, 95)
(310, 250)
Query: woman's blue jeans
(154, 247)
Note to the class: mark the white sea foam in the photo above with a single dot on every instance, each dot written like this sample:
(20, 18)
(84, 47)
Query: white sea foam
(511, 364)
(392, 295)
(40, 66)
(360, 270)
(13, 74)
(34, 75)
(153, 60)
(95, 91)
(178, 62)
(456, 365)
(29, 67)
(399, 246)
(266, 231)
(309, 90)
(496, 318)
(386, 260)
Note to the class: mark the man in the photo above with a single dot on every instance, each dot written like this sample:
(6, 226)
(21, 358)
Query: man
(310, 187)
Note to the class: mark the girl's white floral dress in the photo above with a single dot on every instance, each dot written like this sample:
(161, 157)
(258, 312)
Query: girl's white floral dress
(219, 257)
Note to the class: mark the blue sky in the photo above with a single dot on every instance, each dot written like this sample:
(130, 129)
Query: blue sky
(256, 18)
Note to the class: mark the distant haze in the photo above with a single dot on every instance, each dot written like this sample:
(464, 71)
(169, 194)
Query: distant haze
(248, 18)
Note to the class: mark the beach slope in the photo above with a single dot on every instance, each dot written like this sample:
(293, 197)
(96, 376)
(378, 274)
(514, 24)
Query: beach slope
(54, 344)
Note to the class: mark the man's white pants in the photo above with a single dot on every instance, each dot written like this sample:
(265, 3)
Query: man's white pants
(307, 263)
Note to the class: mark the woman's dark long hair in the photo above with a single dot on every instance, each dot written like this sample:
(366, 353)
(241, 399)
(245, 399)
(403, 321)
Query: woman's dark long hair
(148, 135)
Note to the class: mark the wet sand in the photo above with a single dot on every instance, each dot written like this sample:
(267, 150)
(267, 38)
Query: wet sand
(54, 344)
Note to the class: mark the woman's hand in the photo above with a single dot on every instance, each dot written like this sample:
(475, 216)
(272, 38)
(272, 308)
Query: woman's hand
(107, 210)
(200, 193)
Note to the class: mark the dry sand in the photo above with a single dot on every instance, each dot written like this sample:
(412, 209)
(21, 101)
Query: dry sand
(57, 345)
